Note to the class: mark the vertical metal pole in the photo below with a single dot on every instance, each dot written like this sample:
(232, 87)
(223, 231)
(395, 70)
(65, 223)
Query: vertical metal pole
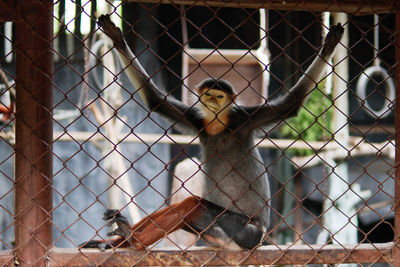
(396, 247)
(33, 158)
(337, 219)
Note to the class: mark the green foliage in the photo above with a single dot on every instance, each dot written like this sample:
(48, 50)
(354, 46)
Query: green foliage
(313, 122)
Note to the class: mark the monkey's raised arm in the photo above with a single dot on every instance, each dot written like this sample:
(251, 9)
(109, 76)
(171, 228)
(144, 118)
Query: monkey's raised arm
(289, 104)
(154, 98)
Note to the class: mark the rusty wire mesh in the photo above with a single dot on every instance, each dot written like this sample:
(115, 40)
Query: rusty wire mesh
(331, 170)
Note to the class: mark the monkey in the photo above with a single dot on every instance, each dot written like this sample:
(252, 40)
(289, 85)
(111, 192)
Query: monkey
(7, 112)
(234, 211)
(7, 100)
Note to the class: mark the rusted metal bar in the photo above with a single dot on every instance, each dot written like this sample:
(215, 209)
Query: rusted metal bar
(396, 247)
(33, 158)
(293, 254)
(360, 7)
(6, 258)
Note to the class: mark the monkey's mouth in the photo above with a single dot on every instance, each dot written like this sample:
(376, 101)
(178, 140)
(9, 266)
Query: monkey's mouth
(213, 107)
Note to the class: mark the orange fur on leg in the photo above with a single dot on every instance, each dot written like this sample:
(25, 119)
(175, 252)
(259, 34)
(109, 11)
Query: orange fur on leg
(159, 224)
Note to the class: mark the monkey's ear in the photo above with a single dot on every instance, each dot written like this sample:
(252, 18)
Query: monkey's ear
(201, 91)
(197, 90)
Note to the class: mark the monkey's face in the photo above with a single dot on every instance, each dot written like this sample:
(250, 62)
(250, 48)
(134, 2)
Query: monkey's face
(214, 100)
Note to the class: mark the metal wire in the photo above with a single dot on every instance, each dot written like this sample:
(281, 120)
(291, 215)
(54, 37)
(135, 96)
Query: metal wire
(110, 151)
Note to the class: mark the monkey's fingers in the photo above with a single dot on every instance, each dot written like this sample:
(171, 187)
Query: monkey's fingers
(111, 30)
(332, 39)
(335, 33)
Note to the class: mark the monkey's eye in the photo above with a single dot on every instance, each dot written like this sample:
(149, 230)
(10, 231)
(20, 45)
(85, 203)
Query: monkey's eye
(220, 96)
(207, 94)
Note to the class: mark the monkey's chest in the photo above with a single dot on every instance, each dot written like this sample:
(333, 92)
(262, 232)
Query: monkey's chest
(235, 175)
(230, 156)
(223, 142)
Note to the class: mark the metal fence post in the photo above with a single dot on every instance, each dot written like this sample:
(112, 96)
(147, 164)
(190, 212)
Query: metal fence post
(33, 158)
(396, 246)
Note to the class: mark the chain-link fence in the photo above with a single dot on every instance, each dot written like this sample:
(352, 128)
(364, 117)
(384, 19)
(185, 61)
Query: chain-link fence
(77, 137)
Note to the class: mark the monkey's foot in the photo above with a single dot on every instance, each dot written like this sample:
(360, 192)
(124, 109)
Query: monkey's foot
(332, 39)
(123, 229)
(99, 244)
(111, 31)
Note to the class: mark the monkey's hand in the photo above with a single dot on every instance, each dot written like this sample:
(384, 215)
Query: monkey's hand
(112, 31)
(332, 39)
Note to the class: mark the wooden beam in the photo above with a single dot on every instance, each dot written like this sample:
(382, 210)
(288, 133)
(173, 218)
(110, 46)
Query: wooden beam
(6, 258)
(33, 132)
(360, 7)
(199, 256)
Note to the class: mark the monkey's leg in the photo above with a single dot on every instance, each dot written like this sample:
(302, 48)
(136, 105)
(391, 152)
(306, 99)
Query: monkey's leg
(199, 216)
(3, 109)
(226, 228)
(151, 228)
(6, 111)
(161, 223)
